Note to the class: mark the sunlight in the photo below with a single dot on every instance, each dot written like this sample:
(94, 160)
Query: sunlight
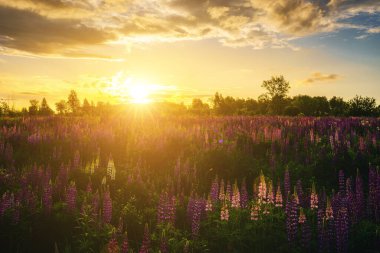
(135, 91)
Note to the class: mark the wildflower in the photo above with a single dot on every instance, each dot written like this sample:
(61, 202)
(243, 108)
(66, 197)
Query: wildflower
(214, 192)
(287, 185)
(107, 206)
(262, 194)
(255, 212)
(71, 197)
(244, 195)
(111, 170)
(124, 244)
(208, 204)
(235, 202)
(313, 197)
(278, 200)
(302, 217)
(221, 191)
(224, 214)
(146, 241)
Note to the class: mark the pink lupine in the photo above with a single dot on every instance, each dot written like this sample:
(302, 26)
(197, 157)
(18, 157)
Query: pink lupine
(112, 246)
(255, 209)
(278, 200)
(145, 246)
(107, 206)
(262, 192)
(224, 214)
(208, 207)
(221, 191)
(235, 201)
(124, 245)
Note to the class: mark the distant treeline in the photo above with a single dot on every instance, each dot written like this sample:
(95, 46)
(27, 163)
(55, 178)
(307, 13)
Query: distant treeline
(274, 102)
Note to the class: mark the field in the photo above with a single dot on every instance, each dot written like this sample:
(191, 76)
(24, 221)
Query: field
(189, 184)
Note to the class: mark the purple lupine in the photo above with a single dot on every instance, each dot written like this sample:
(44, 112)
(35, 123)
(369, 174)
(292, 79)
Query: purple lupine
(145, 246)
(359, 195)
(95, 204)
(287, 185)
(291, 219)
(244, 195)
(372, 181)
(164, 243)
(341, 228)
(5, 203)
(214, 192)
(351, 202)
(196, 217)
(71, 197)
(305, 235)
(47, 198)
(341, 182)
(300, 193)
(107, 206)
(321, 230)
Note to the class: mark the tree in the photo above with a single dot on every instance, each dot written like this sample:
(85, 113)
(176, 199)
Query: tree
(199, 108)
(277, 86)
(362, 106)
(45, 109)
(277, 89)
(33, 108)
(86, 106)
(73, 102)
(61, 106)
(338, 106)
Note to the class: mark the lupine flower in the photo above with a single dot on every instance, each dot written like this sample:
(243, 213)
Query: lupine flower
(228, 195)
(341, 182)
(300, 195)
(302, 217)
(111, 170)
(287, 185)
(145, 247)
(321, 225)
(235, 202)
(47, 198)
(278, 200)
(244, 195)
(305, 235)
(221, 191)
(112, 246)
(313, 197)
(224, 214)
(124, 244)
(341, 227)
(359, 195)
(208, 204)
(270, 197)
(95, 204)
(329, 210)
(262, 193)
(71, 197)
(107, 206)
(291, 218)
(164, 243)
(255, 209)
(214, 192)
(196, 218)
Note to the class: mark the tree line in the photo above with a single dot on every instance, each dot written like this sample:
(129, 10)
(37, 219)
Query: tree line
(274, 102)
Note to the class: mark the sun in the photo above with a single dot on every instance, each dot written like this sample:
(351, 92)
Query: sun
(139, 94)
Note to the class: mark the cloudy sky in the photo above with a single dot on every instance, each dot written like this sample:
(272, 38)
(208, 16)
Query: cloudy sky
(187, 48)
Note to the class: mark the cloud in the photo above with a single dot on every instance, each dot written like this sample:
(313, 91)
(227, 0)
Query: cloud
(28, 31)
(67, 27)
(319, 77)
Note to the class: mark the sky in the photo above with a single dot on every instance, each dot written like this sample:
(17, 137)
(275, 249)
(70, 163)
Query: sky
(177, 50)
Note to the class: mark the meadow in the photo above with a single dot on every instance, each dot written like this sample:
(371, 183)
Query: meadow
(189, 184)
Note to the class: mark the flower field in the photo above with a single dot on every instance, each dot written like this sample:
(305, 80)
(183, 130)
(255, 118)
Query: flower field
(189, 184)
